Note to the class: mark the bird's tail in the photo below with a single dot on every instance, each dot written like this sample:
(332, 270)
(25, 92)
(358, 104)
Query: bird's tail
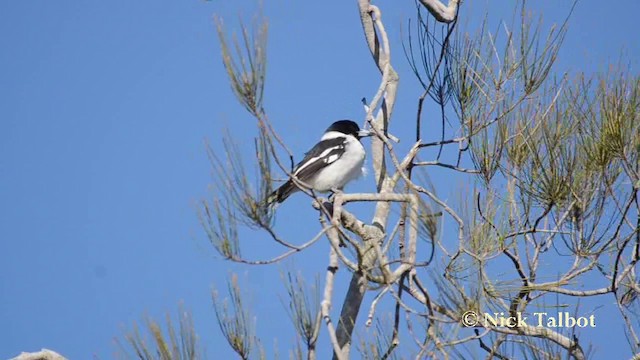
(282, 193)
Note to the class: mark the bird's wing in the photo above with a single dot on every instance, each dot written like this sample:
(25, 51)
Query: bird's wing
(320, 156)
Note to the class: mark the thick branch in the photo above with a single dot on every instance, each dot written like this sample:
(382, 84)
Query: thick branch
(445, 14)
(350, 311)
(545, 333)
(374, 31)
(44, 354)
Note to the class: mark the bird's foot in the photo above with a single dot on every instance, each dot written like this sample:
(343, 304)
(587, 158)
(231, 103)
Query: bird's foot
(334, 192)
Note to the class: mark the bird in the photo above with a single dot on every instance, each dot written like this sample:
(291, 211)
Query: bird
(334, 161)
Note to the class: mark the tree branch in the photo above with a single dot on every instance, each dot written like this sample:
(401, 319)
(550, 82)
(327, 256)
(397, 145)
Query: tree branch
(442, 13)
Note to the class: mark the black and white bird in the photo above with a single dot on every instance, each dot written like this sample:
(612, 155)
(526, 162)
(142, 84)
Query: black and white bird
(333, 162)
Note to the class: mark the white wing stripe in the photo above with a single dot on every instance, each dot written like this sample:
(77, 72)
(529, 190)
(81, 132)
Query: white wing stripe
(320, 157)
(331, 158)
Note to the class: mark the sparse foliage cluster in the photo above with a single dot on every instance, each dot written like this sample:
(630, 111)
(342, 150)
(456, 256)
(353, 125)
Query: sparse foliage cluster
(166, 342)
(549, 220)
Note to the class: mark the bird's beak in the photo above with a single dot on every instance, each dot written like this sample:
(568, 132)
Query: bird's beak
(364, 133)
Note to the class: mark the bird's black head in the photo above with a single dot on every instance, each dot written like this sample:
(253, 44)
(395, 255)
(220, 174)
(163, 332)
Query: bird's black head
(348, 127)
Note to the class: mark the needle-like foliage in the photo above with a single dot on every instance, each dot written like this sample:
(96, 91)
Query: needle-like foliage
(235, 320)
(158, 342)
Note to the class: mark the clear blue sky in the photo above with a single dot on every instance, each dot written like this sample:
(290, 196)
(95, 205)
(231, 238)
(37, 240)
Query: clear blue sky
(104, 109)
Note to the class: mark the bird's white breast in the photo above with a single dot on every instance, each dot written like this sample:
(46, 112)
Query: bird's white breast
(348, 167)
